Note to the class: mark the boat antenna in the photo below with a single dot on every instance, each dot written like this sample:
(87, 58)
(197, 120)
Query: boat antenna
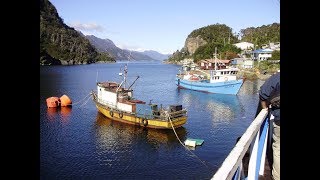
(97, 76)
(133, 82)
(125, 70)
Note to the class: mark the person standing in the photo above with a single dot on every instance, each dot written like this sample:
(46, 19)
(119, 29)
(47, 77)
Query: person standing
(269, 95)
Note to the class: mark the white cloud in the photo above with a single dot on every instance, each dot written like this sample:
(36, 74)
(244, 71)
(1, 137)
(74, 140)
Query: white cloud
(88, 27)
(130, 47)
(139, 48)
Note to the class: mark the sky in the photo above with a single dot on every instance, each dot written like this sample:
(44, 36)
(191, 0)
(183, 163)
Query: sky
(161, 25)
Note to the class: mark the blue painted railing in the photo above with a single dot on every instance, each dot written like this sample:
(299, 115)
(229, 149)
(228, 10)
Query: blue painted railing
(256, 138)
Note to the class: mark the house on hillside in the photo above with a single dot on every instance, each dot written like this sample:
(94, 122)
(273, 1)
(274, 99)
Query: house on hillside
(242, 62)
(188, 64)
(244, 45)
(208, 64)
(261, 54)
(275, 46)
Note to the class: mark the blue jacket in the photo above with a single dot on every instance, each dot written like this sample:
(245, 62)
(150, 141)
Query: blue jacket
(270, 87)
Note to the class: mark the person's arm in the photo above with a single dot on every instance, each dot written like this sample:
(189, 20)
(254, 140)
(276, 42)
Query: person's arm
(266, 90)
(264, 104)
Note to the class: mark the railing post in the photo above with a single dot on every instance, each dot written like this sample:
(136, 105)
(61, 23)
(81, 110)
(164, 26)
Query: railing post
(233, 161)
(270, 131)
(253, 159)
(262, 147)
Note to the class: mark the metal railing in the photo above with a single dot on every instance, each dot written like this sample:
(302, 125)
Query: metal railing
(255, 138)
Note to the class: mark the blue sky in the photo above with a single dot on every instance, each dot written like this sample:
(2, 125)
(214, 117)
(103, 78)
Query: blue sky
(161, 25)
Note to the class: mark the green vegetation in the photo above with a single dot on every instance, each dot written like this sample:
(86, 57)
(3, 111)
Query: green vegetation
(59, 42)
(178, 56)
(275, 55)
(267, 66)
(221, 36)
(217, 35)
(261, 35)
(227, 51)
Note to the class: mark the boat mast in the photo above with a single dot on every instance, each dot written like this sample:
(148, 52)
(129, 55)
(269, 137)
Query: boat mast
(215, 59)
(123, 83)
(125, 76)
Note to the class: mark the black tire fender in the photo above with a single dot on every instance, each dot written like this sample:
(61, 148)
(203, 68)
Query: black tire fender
(144, 122)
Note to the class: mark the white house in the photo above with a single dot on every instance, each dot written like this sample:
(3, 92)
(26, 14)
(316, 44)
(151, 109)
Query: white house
(244, 45)
(273, 46)
(261, 54)
(242, 62)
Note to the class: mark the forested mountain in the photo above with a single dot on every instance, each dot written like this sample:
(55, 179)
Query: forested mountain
(106, 45)
(61, 44)
(201, 43)
(261, 35)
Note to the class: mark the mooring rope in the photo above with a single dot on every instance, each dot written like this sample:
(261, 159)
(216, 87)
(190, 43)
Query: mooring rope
(85, 102)
(82, 99)
(168, 116)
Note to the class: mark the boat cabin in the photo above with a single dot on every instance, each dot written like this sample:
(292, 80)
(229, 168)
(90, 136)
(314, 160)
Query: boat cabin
(222, 75)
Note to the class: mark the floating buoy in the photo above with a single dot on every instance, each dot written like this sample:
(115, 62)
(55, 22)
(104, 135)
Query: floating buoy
(53, 102)
(190, 143)
(65, 101)
(193, 142)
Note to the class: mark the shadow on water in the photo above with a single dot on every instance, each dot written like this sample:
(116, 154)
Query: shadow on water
(109, 131)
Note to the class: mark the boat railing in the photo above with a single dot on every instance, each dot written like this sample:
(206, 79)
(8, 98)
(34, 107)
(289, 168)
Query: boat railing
(176, 114)
(257, 138)
(163, 115)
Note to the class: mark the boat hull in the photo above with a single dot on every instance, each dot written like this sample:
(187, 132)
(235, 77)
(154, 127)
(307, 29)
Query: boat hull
(140, 121)
(227, 87)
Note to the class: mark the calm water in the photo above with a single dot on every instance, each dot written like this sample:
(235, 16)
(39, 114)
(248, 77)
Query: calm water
(79, 142)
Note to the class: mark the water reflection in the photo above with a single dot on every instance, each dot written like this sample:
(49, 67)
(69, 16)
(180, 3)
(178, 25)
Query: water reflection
(111, 133)
(166, 136)
(51, 114)
(221, 107)
(65, 114)
(124, 145)
(62, 113)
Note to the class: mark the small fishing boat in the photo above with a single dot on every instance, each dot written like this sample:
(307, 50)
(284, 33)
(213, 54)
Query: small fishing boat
(222, 81)
(116, 102)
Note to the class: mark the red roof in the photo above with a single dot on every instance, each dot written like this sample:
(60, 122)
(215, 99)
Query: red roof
(226, 61)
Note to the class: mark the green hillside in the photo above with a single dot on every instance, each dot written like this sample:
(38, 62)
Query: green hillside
(221, 36)
(61, 44)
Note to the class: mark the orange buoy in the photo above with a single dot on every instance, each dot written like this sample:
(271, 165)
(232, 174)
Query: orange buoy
(53, 102)
(65, 101)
